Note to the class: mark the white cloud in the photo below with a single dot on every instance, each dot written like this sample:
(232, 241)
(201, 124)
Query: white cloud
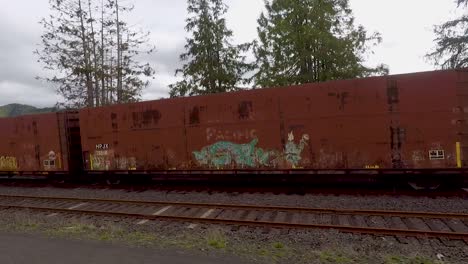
(406, 27)
(13, 92)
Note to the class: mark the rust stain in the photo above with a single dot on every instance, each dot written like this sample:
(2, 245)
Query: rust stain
(114, 123)
(146, 118)
(245, 110)
(195, 115)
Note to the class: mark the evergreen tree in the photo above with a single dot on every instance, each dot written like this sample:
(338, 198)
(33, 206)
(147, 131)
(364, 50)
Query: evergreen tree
(305, 41)
(91, 53)
(451, 50)
(213, 64)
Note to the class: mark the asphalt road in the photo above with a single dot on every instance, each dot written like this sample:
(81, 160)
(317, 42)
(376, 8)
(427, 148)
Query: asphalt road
(31, 249)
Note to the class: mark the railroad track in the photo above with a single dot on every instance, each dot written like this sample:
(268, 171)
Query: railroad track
(377, 222)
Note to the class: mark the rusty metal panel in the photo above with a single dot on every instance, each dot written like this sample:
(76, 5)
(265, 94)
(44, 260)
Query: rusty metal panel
(423, 120)
(399, 121)
(32, 143)
(147, 135)
(460, 119)
(340, 142)
(422, 133)
(345, 125)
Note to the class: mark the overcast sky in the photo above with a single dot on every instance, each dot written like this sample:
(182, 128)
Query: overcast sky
(405, 25)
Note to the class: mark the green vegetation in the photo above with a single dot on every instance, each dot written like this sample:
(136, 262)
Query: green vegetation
(330, 257)
(311, 41)
(275, 251)
(216, 239)
(278, 245)
(12, 110)
(213, 64)
(451, 45)
(410, 260)
(104, 233)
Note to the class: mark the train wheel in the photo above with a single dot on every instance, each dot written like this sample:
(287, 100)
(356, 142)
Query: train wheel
(56, 179)
(114, 181)
(424, 186)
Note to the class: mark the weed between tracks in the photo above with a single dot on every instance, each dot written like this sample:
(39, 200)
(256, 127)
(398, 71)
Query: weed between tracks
(207, 240)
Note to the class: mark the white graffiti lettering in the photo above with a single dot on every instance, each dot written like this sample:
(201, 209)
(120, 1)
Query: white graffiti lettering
(214, 134)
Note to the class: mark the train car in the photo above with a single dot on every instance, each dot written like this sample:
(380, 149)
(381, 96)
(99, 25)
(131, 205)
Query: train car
(40, 144)
(399, 123)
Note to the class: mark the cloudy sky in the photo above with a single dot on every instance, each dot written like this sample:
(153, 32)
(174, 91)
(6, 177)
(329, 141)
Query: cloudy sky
(405, 25)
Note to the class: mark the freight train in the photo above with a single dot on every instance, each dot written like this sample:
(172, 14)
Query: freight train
(409, 127)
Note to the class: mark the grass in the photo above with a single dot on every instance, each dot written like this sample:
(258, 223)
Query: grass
(216, 239)
(268, 252)
(278, 245)
(140, 238)
(110, 233)
(332, 257)
(410, 260)
(19, 223)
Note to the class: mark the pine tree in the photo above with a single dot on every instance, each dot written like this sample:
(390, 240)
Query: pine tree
(305, 41)
(213, 64)
(79, 45)
(451, 50)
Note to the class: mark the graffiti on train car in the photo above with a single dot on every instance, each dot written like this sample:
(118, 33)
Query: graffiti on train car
(224, 153)
(124, 163)
(215, 134)
(293, 151)
(107, 160)
(8, 163)
(229, 154)
(101, 159)
(52, 162)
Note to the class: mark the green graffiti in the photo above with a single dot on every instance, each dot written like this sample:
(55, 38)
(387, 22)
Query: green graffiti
(293, 151)
(223, 154)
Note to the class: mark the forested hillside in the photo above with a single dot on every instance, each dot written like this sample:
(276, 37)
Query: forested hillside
(19, 109)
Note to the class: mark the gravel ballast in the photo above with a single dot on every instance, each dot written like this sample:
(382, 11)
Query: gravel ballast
(373, 202)
(258, 245)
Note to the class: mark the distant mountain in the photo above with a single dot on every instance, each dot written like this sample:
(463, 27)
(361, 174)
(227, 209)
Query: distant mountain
(11, 110)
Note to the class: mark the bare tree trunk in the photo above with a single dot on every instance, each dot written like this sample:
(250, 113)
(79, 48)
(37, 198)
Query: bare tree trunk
(111, 80)
(89, 84)
(95, 58)
(103, 69)
(119, 55)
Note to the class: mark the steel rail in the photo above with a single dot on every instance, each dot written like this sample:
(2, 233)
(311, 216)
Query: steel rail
(414, 214)
(348, 229)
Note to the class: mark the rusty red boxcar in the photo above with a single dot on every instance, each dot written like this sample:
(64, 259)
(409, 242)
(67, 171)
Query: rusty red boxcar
(40, 143)
(409, 121)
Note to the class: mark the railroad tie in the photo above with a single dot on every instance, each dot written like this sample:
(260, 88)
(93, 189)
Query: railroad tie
(160, 211)
(76, 206)
(70, 208)
(205, 215)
